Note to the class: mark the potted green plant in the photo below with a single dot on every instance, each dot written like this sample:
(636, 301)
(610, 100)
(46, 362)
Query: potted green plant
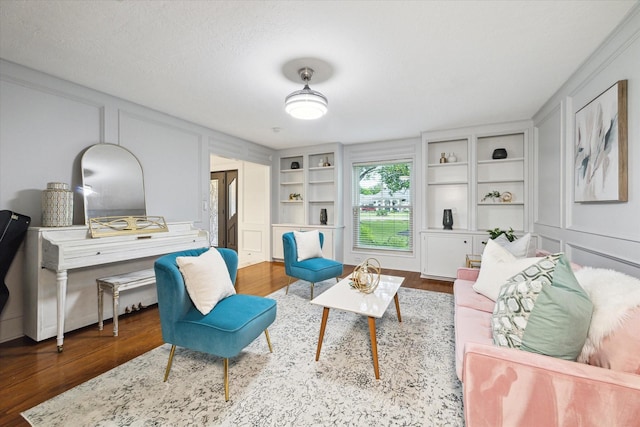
(493, 195)
(509, 234)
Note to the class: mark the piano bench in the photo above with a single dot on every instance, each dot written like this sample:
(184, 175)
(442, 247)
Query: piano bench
(117, 284)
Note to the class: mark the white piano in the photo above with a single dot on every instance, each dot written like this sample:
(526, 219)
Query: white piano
(63, 264)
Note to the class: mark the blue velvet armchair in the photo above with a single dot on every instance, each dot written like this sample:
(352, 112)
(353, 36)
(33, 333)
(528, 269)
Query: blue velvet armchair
(232, 324)
(312, 270)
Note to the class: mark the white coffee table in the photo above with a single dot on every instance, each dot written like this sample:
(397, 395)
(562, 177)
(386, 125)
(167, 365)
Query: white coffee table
(343, 297)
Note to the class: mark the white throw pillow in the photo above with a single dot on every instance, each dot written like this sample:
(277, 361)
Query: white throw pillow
(308, 244)
(524, 247)
(206, 278)
(614, 296)
(498, 265)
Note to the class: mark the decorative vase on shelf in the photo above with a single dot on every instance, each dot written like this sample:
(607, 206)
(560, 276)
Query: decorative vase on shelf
(447, 219)
(323, 216)
(443, 158)
(57, 205)
(499, 154)
(452, 158)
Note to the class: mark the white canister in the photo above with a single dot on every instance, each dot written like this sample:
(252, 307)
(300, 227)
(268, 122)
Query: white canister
(57, 205)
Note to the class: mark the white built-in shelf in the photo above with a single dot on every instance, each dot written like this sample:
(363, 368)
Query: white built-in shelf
(447, 182)
(446, 165)
(291, 170)
(291, 201)
(321, 168)
(500, 203)
(321, 182)
(507, 160)
(291, 183)
(497, 181)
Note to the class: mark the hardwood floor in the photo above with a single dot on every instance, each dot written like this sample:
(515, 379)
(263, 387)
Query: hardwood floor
(31, 372)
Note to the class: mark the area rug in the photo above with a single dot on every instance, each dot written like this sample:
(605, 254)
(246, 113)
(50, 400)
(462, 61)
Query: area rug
(417, 385)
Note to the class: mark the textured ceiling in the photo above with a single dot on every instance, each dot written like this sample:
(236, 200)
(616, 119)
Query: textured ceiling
(393, 68)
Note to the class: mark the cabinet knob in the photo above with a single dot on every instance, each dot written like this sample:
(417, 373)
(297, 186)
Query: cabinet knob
(465, 241)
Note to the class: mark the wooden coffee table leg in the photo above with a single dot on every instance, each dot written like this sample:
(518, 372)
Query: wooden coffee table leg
(325, 315)
(398, 307)
(374, 346)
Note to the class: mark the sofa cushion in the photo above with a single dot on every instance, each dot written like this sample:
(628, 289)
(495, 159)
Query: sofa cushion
(498, 265)
(517, 299)
(524, 247)
(308, 244)
(619, 350)
(470, 326)
(559, 323)
(206, 278)
(465, 296)
(616, 300)
(548, 314)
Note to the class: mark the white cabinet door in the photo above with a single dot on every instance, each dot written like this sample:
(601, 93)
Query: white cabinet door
(277, 251)
(445, 253)
(327, 246)
(479, 242)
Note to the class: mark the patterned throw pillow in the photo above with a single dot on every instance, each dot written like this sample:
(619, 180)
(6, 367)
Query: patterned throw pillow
(516, 300)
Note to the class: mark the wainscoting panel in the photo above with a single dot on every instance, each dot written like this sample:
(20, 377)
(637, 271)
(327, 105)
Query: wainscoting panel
(548, 157)
(171, 159)
(592, 257)
(44, 133)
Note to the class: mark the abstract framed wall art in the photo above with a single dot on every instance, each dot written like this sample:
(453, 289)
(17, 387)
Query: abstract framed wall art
(600, 148)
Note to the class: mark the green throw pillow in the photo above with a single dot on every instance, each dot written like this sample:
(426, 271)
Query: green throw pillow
(559, 323)
(516, 301)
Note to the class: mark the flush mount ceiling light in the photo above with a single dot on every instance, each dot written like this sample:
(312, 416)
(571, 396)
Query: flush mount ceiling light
(306, 104)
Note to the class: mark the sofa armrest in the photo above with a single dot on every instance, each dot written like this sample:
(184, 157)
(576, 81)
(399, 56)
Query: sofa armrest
(470, 274)
(508, 387)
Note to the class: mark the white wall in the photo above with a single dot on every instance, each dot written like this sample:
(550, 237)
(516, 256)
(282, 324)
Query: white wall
(46, 123)
(597, 234)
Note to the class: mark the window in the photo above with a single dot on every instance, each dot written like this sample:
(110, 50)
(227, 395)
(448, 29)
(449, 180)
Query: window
(382, 206)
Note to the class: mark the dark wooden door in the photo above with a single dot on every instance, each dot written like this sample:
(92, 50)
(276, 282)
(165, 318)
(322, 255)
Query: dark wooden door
(224, 209)
(232, 210)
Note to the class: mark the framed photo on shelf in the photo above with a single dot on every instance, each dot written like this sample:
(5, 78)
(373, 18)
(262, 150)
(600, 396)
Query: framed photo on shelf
(600, 148)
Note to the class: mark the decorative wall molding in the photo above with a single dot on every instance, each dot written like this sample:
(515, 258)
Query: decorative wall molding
(548, 241)
(599, 253)
(252, 240)
(624, 35)
(553, 114)
(49, 90)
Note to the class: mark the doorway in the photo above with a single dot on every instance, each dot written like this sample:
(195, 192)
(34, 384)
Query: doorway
(224, 209)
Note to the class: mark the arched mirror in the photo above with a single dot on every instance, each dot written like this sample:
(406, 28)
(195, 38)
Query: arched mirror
(112, 182)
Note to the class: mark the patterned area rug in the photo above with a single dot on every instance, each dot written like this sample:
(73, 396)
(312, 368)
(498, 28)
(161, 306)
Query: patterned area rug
(417, 386)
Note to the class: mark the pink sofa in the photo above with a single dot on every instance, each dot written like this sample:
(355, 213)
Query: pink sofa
(510, 387)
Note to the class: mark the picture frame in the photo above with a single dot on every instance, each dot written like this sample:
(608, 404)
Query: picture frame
(600, 148)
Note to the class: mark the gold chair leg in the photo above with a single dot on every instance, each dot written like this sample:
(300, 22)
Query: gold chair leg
(226, 379)
(266, 334)
(166, 371)
(311, 290)
(287, 291)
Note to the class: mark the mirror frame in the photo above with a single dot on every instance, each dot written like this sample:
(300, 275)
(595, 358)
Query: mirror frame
(113, 190)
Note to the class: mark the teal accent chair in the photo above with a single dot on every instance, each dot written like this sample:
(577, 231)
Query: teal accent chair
(312, 270)
(232, 324)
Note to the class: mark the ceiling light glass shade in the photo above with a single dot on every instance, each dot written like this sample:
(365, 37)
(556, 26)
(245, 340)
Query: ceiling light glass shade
(306, 104)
